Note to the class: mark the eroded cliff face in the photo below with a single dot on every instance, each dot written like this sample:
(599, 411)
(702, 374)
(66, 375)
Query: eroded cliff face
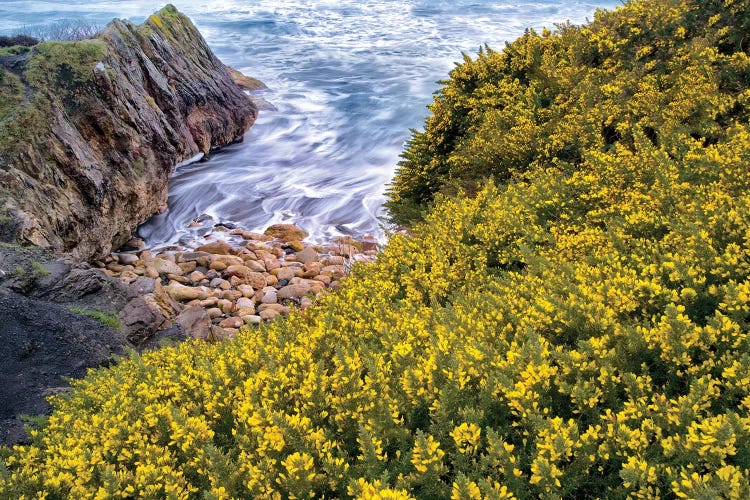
(91, 131)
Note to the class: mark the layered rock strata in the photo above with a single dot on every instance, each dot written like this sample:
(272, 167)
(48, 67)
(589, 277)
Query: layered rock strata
(91, 131)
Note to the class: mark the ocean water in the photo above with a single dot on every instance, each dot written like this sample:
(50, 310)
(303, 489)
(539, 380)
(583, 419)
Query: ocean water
(347, 81)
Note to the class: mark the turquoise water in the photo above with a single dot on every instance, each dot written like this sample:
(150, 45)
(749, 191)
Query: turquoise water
(348, 79)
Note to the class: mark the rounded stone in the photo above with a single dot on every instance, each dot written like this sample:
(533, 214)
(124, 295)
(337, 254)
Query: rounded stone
(219, 247)
(307, 255)
(244, 302)
(252, 319)
(294, 291)
(286, 232)
(233, 322)
(296, 245)
(270, 298)
(127, 259)
(218, 265)
(182, 293)
(269, 314)
(214, 312)
(283, 273)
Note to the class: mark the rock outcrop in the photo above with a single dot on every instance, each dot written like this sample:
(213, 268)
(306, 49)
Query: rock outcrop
(59, 318)
(91, 131)
(43, 343)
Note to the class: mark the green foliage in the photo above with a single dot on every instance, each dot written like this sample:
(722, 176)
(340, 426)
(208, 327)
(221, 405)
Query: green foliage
(33, 421)
(575, 329)
(13, 50)
(54, 71)
(105, 318)
(665, 70)
(11, 92)
(38, 270)
(63, 64)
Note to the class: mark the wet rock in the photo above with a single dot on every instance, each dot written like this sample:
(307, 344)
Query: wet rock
(296, 245)
(195, 256)
(133, 244)
(286, 232)
(219, 247)
(187, 267)
(162, 97)
(244, 81)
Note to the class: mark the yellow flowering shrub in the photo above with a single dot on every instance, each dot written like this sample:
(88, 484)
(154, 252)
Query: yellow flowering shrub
(578, 331)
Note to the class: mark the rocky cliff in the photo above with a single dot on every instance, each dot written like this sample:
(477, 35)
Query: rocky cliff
(90, 131)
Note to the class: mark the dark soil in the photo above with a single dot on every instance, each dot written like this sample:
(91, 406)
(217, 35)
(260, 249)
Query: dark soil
(41, 344)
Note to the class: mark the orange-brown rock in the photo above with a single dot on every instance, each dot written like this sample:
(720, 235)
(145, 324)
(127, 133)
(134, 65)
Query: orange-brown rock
(286, 232)
(219, 247)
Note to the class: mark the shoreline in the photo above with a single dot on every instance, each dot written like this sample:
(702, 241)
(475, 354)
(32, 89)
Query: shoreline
(229, 278)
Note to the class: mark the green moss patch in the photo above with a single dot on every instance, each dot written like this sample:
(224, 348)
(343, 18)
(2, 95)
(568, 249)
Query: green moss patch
(63, 63)
(105, 318)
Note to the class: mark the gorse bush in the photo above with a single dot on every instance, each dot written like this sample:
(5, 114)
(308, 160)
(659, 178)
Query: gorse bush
(664, 70)
(579, 330)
